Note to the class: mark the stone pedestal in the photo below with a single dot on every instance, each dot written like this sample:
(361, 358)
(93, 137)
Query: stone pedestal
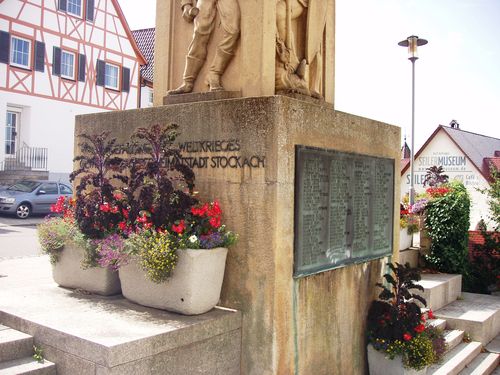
(243, 154)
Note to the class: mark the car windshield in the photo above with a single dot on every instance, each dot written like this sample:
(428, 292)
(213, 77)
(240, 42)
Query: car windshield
(24, 186)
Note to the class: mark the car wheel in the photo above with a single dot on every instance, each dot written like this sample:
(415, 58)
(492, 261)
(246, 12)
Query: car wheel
(23, 211)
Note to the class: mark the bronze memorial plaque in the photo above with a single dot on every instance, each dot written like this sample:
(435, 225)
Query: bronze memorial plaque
(344, 205)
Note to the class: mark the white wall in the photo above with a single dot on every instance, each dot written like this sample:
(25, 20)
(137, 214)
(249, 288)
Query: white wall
(146, 95)
(45, 123)
(459, 168)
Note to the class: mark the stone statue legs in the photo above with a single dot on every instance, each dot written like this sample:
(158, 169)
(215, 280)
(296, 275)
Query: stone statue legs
(204, 23)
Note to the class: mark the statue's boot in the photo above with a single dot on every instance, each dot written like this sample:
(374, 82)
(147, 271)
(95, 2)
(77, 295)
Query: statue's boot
(219, 65)
(191, 70)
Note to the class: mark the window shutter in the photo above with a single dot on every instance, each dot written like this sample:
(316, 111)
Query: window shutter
(81, 67)
(39, 56)
(62, 5)
(56, 61)
(100, 70)
(89, 14)
(4, 47)
(126, 79)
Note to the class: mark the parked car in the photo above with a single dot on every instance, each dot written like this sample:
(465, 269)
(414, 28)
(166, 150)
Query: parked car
(32, 197)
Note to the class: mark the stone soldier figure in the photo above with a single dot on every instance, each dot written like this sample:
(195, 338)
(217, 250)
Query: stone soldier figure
(203, 16)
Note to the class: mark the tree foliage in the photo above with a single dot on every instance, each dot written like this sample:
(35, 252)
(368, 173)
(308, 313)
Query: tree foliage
(447, 220)
(434, 176)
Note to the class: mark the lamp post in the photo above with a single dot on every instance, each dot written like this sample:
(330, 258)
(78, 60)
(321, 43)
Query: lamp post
(412, 42)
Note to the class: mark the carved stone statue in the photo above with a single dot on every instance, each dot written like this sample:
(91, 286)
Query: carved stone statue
(203, 16)
(299, 38)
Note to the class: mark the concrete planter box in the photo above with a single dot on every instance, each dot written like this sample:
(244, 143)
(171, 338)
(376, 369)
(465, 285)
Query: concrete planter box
(380, 365)
(68, 273)
(194, 287)
(405, 239)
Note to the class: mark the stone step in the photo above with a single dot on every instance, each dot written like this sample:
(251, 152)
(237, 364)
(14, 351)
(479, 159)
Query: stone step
(27, 365)
(441, 289)
(456, 359)
(14, 344)
(483, 364)
(494, 345)
(437, 323)
(476, 314)
(453, 338)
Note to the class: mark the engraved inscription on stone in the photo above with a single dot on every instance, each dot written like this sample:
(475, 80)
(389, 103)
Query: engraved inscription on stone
(344, 208)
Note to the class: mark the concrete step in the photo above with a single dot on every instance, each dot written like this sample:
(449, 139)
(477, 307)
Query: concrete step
(14, 344)
(453, 338)
(437, 323)
(483, 364)
(476, 314)
(456, 359)
(441, 289)
(27, 365)
(494, 345)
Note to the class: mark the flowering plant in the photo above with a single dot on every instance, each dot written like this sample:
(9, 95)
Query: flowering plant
(396, 325)
(202, 228)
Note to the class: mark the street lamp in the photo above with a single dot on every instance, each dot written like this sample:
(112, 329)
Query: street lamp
(412, 42)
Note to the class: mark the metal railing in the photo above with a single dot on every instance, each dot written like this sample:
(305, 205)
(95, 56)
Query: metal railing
(26, 158)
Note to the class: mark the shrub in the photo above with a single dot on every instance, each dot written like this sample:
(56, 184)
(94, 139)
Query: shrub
(447, 221)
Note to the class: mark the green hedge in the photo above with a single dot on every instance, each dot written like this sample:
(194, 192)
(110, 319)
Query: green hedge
(447, 221)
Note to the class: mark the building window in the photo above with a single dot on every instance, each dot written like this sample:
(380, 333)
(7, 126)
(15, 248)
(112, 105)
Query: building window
(111, 76)
(20, 53)
(67, 65)
(150, 97)
(75, 7)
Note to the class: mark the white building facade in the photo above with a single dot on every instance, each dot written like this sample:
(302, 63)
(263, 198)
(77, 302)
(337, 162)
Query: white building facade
(464, 156)
(58, 59)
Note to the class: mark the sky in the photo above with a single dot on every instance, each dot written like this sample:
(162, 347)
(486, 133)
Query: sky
(457, 76)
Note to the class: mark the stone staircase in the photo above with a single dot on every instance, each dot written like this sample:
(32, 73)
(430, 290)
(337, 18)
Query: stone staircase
(16, 355)
(470, 321)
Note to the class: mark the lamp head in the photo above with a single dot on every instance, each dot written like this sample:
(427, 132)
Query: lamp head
(412, 42)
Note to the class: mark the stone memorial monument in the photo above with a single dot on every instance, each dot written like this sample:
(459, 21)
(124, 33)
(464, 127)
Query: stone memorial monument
(310, 190)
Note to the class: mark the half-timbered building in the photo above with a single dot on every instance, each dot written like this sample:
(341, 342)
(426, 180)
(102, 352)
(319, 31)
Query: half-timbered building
(58, 59)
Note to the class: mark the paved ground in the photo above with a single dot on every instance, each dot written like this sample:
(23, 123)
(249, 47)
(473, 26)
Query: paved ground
(18, 237)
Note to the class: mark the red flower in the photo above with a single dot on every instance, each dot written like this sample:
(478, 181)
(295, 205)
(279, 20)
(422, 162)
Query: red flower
(422, 318)
(142, 219)
(122, 225)
(104, 207)
(199, 211)
(430, 315)
(114, 209)
(179, 228)
(125, 213)
(407, 337)
(420, 328)
(215, 222)
(118, 196)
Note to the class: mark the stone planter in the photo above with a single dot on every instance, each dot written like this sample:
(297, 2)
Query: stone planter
(380, 365)
(405, 239)
(194, 287)
(68, 273)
